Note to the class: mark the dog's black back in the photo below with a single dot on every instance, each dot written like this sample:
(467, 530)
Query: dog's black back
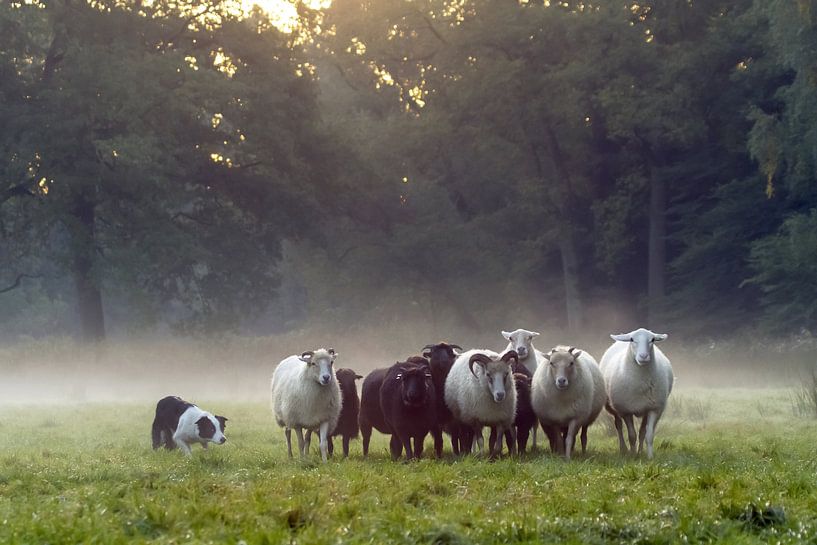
(168, 412)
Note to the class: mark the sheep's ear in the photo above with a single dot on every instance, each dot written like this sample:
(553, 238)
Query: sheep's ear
(507, 335)
(658, 337)
(358, 377)
(547, 356)
(427, 354)
(306, 357)
(534, 334)
(624, 337)
(333, 353)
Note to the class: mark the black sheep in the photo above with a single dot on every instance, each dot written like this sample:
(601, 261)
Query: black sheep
(408, 401)
(525, 418)
(371, 415)
(441, 357)
(347, 425)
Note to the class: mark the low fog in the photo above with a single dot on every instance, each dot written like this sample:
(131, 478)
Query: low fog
(239, 368)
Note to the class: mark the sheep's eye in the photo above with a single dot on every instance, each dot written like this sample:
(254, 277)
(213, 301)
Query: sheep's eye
(571, 364)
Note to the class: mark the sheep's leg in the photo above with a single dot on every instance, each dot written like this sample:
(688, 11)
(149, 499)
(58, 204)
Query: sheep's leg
(492, 439)
(419, 446)
(642, 433)
(535, 436)
(584, 439)
(631, 435)
(553, 438)
(366, 434)
(511, 441)
(288, 433)
(437, 433)
(406, 442)
(522, 435)
(570, 439)
(396, 447)
(456, 438)
(324, 434)
(496, 449)
(480, 439)
(652, 420)
(307, 441)
(300, 434)
(346, 439)
(330, 444)
(560, 441)
(466, 436)
(622, 447)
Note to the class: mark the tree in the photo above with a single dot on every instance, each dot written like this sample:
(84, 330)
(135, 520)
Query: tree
(156, 152)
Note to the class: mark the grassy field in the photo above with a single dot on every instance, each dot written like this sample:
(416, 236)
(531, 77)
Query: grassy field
(85, 474)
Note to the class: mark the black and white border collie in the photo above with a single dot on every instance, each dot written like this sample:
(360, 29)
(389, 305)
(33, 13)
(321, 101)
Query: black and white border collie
(180, 424)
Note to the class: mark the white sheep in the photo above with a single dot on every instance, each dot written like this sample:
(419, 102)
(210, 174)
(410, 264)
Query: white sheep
(567, 394)
(639, 379)
(485, 396)
(521, 341)
(305, 395)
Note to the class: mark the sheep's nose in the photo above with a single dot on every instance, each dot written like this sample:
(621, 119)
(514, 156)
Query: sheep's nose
(522, 351)
(643, 358)
(561, 382)
(223, 440)
(499, 396)
(325, 379)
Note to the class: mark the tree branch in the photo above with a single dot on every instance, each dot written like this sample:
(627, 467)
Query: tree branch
(18, 280)
(17, 191)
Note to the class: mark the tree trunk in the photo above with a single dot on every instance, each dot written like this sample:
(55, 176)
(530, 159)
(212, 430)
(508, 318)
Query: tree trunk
(657, 250)
(570, 274)
(89, 296)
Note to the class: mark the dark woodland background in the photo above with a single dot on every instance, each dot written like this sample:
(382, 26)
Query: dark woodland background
(173, 167)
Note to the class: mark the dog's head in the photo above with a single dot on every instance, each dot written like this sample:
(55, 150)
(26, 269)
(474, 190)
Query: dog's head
(211, 428)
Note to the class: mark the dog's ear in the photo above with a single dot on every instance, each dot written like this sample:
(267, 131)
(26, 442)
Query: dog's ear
(223, 421)
(206, 428)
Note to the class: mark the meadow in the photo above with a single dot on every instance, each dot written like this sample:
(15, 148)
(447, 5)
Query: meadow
(732, 465)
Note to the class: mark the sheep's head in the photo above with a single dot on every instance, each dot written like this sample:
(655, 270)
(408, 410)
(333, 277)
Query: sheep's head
(521, 341)
(642, 343)
(346, 378)
(319, 363)
(442, 352)
(497, 372)
(414, 376)
(562, 368)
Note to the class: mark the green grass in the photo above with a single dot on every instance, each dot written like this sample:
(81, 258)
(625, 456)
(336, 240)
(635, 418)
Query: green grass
(86, 474)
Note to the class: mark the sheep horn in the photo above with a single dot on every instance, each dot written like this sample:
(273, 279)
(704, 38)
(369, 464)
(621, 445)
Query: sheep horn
(308, 353)
(510, 355)
(458, 347)
(481, 359)
(428, 347)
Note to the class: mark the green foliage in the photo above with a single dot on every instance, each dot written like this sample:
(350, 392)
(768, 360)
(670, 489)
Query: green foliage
(785, 271)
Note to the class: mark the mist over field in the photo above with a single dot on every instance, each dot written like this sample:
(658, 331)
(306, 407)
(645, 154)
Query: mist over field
(236, 368)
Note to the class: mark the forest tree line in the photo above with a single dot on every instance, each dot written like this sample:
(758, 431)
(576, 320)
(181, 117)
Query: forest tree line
(187, 166)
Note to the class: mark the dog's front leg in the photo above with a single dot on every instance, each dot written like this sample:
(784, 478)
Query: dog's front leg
(182, 444)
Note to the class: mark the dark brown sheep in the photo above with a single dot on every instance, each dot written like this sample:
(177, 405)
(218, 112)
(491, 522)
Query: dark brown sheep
(441, 357)
(347, 426)
(371, 415)
(408, 401)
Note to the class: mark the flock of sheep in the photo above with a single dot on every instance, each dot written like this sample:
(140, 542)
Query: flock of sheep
(448, 390)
